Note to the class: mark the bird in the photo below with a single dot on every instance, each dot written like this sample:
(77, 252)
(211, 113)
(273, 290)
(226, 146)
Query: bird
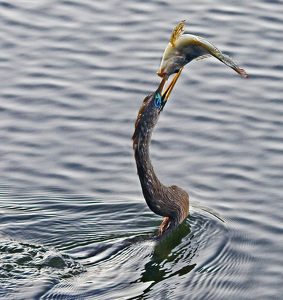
(171, 202)
(183, 48)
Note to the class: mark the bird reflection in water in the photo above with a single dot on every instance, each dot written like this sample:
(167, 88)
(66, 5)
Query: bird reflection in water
(172, 256)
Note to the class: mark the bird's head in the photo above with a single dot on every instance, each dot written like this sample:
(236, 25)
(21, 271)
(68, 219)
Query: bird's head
(156, 101)
(152, 106)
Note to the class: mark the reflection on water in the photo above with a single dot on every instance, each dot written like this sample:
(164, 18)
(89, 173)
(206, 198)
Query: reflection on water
(72, 218)
(155, 270)
(141, 269)
(133, 266)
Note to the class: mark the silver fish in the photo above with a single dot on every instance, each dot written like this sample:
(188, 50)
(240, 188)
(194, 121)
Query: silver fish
(183, 48)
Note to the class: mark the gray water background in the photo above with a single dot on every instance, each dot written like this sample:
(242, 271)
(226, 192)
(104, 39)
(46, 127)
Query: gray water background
(73, 76)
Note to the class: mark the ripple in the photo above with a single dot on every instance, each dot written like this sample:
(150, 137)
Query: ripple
(73, 76)
(199, 247)
(28, 270)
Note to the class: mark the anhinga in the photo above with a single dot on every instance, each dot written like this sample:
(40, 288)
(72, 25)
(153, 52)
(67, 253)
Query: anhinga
(170, 202)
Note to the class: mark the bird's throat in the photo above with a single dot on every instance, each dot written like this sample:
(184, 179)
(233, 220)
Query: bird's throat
(151, 186)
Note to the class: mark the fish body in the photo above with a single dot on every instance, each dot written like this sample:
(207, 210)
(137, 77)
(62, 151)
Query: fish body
(183, 48)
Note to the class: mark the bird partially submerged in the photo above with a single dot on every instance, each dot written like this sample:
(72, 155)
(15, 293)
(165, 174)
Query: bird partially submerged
(183, 48)
(170, 202)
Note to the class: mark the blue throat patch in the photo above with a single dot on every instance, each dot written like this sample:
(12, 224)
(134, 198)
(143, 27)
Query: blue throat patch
(157, 100)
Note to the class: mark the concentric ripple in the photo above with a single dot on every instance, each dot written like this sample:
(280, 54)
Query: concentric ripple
(73, 76)
(143, 269)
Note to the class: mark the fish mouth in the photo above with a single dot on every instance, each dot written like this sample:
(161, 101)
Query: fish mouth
(161, 73)
(170, 87)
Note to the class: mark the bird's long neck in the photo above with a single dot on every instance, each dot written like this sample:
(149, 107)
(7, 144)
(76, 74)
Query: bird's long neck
(170, 202)
(151, 186)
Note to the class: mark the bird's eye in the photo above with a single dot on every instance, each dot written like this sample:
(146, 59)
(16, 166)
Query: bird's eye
(157, 100)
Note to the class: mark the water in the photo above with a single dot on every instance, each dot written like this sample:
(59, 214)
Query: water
(74, 224)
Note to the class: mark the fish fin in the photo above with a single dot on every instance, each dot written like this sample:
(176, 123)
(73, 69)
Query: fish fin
(242, 72)
(177, 32)
(202, 57)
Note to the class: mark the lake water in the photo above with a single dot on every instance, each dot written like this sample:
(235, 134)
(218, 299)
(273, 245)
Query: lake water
(74, 224)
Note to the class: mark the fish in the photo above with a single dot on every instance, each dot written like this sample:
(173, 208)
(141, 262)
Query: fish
(183, 48)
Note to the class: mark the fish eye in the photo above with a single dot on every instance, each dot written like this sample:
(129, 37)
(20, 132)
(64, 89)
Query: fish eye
(157, 100)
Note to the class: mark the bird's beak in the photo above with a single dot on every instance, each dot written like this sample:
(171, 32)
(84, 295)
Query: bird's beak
(170, 87)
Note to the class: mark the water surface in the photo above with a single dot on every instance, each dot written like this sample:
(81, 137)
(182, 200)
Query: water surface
(74, 224)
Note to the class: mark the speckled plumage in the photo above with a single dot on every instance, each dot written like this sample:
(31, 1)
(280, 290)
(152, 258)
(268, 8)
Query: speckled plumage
(170, 202)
